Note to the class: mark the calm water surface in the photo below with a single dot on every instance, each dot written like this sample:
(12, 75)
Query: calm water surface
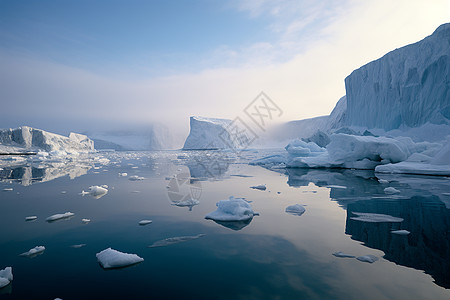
(274, 256)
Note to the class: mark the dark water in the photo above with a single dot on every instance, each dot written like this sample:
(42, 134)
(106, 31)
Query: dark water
(274, 256)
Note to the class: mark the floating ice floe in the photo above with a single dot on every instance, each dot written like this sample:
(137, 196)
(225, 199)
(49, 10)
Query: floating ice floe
(232, 209)
(38, 250)
(8, 189)
(145, 222)
(96, 191)
(400, 232)
(367, 258)
(85, 221)
(391, 190)
(375, 218)
(336, 186)
(63, 192)
(383, 181)
(296, 209)
(261, 187)
(57, 217)
(175, 240)
(110, 258)
(187, 203)
(135, 178)
(6, 277)
(31, 218)
(76, 246)
(343, 255)
(123, 174)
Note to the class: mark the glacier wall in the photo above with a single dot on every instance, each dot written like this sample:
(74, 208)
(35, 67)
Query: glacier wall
(27, 138)
(409, 86)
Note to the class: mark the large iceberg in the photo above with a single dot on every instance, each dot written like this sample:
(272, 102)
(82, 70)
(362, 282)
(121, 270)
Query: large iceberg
(25, 138)
(211, 133)
(406, 87)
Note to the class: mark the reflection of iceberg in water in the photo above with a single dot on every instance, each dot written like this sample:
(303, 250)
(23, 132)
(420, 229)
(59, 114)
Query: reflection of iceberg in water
(30, 174)
(422, 204)
(234, 225)
(209, 164)
(427, 247)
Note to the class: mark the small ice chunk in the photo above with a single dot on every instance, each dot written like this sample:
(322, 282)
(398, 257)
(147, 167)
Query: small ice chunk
(6, 276)
(63, 192)
(8, 189)
(30, 218)
(136, 192)
(123, 174)
(391, 190)
(343, 255)
(85, 221)
(296, 209)
(375, 218)
(336, 186)
(232, 209)
(446, 194)
(34, 251)
(400, 232)
(145, 222)
(96, 190)
(383, 181)
(175, 240)
(57, 217)
(367, 258)
(261, 187)
(110, 258)
(78, 246)
(135, 178)
(187, 202)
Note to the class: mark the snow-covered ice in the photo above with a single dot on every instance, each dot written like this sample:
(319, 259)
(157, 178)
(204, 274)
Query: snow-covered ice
(96, 191)
(400, 232)
(232, 209)
(175, 240)
(6, 276)
(34, 251)
(261, 187)
(367, 258)
(296, 209)
(124, 174)
(85, 221)
(375, 218)
(343, 255)
(110, 258)
(391, 190)
(135, 178)
(57, 217)
(145, 222)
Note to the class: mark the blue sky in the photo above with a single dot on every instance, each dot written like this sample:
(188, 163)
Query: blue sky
(87, 65)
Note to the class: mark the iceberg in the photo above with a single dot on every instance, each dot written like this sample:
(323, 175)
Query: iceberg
(400, 232)
(261, 187)
(175, 240)
(367, 258)
(232, 209)
(145, 222)
(212, 134)
(6, 277)
(58, 217)
(296, 209)
(406, 87)
(38, 250)
(391, 190)
(111, 259)
(343, 255)
(26, 139)
(375, 218)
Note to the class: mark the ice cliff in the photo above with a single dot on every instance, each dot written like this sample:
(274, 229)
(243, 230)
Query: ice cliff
(31, 139)
(408, 86)
(211, 133)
